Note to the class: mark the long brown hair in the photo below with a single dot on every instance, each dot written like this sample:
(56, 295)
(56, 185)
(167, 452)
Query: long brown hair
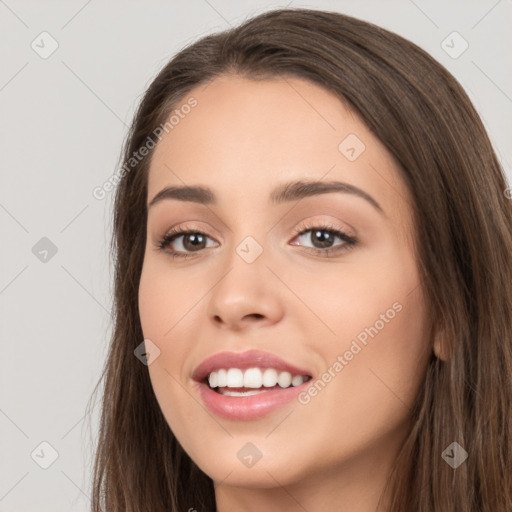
(463, 235)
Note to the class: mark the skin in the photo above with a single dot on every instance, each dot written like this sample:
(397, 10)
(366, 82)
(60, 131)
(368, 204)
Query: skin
(243, 139)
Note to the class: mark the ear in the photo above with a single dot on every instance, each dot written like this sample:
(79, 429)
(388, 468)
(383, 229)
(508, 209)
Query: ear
(440, 345)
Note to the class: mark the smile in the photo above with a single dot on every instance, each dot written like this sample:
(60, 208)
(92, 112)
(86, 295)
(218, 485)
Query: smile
(249, 385)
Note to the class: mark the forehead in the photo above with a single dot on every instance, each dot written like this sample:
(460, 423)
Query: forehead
(244, 137)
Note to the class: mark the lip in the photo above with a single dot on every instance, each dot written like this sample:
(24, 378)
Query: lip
(246, 407)
(244, 360)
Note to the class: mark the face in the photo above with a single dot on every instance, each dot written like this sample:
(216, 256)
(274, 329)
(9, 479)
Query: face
(318, 281)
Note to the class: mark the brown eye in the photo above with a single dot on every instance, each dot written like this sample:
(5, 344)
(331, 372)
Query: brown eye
(323, 239)
(183, 242)
(194, 241)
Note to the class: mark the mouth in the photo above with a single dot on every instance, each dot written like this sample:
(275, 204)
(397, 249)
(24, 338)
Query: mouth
(248, 385)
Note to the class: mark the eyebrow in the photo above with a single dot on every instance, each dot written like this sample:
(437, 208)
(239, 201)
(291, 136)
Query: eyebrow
(283, 193)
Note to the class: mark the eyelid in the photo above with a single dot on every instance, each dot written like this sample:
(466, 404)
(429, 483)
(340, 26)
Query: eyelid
(193, 226)
(327, 222)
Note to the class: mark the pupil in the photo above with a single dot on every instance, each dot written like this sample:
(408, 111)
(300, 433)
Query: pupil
(324, 241)
(195, 239)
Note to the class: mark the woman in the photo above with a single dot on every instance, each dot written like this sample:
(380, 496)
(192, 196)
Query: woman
(312, 283)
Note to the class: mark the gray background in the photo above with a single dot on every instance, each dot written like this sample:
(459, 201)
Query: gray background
(63, 120)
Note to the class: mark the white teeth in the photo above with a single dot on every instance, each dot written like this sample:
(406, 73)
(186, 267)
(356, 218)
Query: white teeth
(284, 379)
(270, 378)
(221, 378)
(297, 380)
(255, 378)
(235, 378)
(213, 379)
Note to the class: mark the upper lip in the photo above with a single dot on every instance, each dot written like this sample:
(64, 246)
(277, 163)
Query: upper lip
(244, 360)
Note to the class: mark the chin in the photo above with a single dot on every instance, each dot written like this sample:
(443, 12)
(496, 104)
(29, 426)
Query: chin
(260, 476)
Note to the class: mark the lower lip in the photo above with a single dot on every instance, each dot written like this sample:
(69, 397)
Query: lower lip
(247, 407)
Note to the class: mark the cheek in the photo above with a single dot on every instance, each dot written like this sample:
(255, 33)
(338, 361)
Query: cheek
(382, 354)
(345, 300)
(169, 307)
(377, 349)
(164, 299)
(398, 353)
(163, 315)
(363, 400)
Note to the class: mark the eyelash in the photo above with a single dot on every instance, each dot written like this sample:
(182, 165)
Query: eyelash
(350, 241)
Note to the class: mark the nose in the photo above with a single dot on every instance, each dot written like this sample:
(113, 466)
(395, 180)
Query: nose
(248, 295)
